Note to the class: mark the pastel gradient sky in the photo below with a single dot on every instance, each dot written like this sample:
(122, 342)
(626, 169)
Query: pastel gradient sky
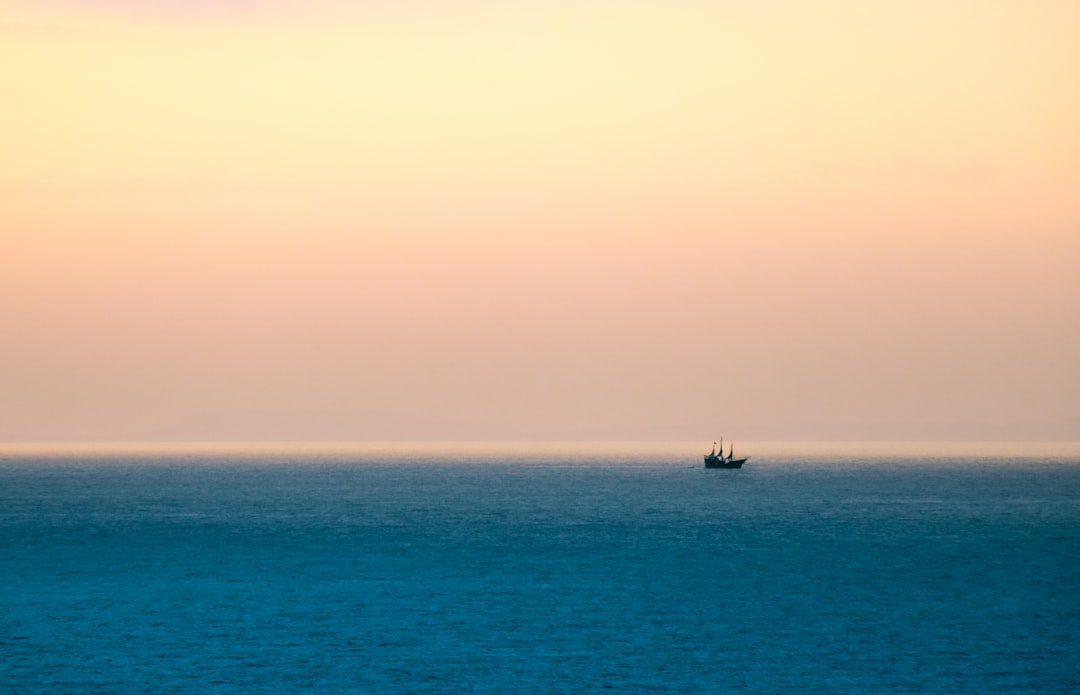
(568, 219)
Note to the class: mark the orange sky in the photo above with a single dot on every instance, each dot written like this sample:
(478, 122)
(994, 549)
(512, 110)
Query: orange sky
(539, 220)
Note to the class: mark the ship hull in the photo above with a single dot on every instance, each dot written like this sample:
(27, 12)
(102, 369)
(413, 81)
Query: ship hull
(716, 462)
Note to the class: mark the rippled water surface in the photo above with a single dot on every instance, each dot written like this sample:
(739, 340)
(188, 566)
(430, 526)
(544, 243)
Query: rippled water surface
(540, 568)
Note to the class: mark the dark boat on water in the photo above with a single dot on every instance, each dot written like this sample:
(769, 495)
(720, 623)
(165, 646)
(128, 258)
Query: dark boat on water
(716, 459)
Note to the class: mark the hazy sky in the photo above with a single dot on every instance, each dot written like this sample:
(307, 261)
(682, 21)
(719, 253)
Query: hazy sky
(560, 219)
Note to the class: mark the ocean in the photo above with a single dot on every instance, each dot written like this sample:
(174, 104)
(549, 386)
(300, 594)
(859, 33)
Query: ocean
(539, 568)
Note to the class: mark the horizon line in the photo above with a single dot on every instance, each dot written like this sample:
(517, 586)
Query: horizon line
(98, 442)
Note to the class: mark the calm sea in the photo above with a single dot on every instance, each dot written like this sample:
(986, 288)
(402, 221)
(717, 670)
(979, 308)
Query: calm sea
(540, 569)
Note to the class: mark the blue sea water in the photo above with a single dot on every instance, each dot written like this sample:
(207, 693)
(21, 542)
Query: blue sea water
(539, 569)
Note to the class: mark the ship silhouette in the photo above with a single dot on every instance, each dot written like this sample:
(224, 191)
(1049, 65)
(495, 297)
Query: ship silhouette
(715, 459)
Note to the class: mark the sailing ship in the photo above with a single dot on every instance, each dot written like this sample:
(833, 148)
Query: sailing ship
(716, 459)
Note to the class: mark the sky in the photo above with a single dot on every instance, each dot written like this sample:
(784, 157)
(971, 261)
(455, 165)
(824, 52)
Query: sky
(242, 220)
